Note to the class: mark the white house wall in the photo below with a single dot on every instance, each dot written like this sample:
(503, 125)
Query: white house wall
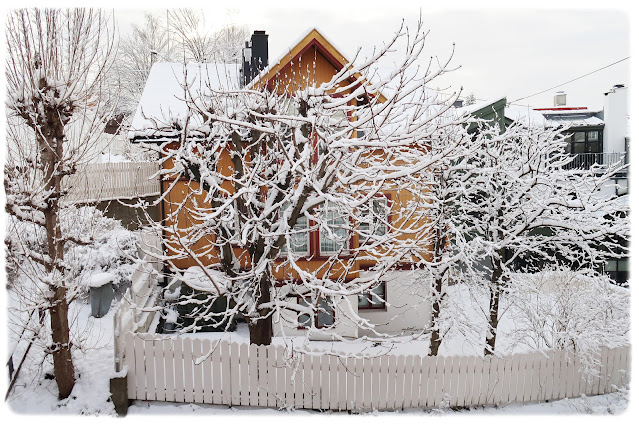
(408, 308)
(286, 323)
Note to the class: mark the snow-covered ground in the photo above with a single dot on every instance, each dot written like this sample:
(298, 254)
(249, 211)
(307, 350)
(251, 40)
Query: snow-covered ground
(95, 366)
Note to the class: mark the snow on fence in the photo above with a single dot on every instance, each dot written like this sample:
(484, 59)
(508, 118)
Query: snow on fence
(108, 181)
(135, 311)
(164, 368)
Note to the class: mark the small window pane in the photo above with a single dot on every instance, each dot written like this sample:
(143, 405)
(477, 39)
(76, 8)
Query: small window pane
(578, 148)
(324, 315)
(579, 137)
(593, 135)
(362, 301)
(377, 296)
(611, 265)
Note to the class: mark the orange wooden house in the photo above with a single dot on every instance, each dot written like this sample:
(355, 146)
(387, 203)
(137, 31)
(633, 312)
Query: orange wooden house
(311, 61)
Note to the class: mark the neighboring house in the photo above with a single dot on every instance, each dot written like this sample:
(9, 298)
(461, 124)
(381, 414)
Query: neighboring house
(592, 136)
(405, 307)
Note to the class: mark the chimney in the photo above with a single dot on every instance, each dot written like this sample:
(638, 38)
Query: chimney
(255, 56)
(559, 99)
(615, 119)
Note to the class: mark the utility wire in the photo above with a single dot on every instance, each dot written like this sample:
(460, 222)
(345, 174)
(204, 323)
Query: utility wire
(574, 79)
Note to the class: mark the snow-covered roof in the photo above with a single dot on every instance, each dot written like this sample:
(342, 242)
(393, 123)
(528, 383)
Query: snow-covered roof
(525, 114)
(163, 100)
(478, 106)
(574, 120)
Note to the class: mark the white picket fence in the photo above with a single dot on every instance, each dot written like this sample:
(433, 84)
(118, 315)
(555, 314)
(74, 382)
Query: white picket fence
(109, 181)
(182, 369)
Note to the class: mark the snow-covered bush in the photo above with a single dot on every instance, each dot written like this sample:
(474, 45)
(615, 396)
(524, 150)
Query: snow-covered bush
(563, 309)
(107, 247)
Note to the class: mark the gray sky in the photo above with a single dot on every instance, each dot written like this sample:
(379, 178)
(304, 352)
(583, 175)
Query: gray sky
(502, 52)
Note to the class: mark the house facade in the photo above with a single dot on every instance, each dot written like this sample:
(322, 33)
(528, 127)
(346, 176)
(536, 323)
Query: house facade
(398, 303)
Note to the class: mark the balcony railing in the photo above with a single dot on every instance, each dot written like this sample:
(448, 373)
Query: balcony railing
(602, 159)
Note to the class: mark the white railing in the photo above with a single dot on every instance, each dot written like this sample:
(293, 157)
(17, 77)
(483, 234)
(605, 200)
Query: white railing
(184, 369)
(109, 181)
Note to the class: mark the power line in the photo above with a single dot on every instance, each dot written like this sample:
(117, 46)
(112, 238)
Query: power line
(574, 79)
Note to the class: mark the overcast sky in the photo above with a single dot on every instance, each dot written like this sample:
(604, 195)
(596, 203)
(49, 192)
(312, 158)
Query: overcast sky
(502, 52)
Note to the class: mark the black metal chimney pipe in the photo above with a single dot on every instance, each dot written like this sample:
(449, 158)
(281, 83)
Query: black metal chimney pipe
(255, 59)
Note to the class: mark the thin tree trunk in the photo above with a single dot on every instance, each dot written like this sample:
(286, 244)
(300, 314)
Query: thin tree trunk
(495, 294)
(435, 338)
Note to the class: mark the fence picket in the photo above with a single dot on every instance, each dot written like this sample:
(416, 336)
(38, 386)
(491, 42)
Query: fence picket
(225, 364)
(217, 366)
(408, 381)
(244, 374)
(169, 369)
(324, 382)
(469, 373)
(333, 402)
(160, 374)
(350, 383)
(178, 367)
(289, 376)
(262, 376)
(342, 374)
(417, 373)
(280, 373)
(399, 382)
(317, 381)
(391, 380)
(207, 372)
(129, 360)
(485, 381)
(271, 365)
(367, 402)
(308, 381)
(253, 384)
(439, 383)
(623, 365)
(140, 365)
(299, 382)
(477, 370)
(425, 388)
(498, 381)
(198, 372)
(359, 383)
(187, 353)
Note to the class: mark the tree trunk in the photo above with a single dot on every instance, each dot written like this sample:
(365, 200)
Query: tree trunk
(435, 338)
(493, 320)
(63, 368)
(261, 331)
(493, 310)
(62, 362)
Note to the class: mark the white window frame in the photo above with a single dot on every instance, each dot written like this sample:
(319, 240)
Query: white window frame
(380, 226)
(329, 207)
(296, 234)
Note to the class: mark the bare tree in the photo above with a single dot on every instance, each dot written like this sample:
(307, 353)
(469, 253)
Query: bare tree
(136, 54)
(189, 31)
(56, 71)
(267, 170)
(525, 205)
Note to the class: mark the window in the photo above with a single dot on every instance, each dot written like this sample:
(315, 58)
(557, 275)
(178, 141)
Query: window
(374, 219)
(617, 269)
(323, 314)
(298, 235)
(334, 235)
(375, 298)
(585, 142)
